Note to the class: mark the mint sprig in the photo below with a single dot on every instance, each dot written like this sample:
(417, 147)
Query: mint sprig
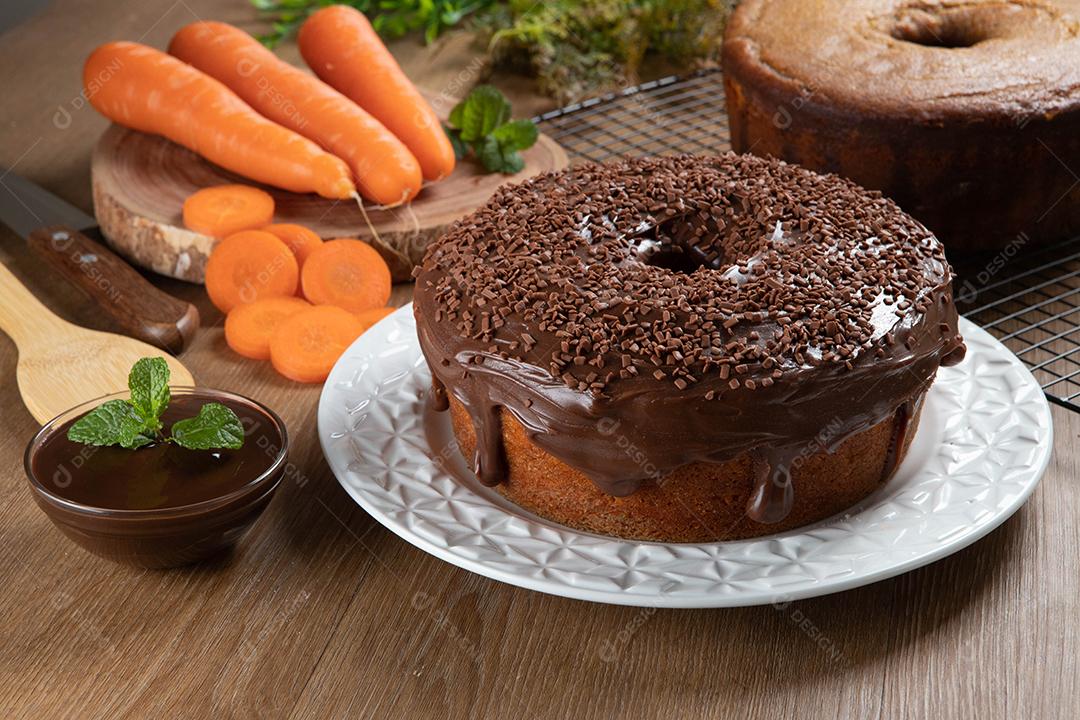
(481, 124)
(116, 422)
(148, 383)
(136, 422)
(216, 426)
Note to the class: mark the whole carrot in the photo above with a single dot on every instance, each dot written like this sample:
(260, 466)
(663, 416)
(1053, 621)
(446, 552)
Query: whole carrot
(340, 45)
(147, 90)
(383, 168)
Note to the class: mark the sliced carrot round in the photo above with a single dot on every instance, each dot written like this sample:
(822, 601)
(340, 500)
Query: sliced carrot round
(249, 266)
(347, 273)
(369, 317)
(301, 240)
(248, 328)
(306, 346)
(222, 210)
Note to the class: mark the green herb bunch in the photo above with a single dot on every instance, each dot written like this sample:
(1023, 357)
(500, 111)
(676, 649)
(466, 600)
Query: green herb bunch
(136, 422)
(574, 48)
(481, 124)
(390, 18)
(579, 48)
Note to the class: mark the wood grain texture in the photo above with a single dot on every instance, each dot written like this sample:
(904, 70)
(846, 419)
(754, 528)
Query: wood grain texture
(323, 613)
(140, 182)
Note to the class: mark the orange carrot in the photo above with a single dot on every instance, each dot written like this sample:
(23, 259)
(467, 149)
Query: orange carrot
(368, 318)
(306, 346)
(248, 328)
(147, 90)
(384, 169)
(300, 239)
(226, 209)
(340, 45)
(347, 273)
(249, 266)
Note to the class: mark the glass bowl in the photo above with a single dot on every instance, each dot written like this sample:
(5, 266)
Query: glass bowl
(163, 536)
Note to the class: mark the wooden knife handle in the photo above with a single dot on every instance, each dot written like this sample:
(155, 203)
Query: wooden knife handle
(136, 306)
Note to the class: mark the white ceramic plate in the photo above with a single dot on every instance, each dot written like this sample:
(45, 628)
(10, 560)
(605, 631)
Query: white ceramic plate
(982, 445)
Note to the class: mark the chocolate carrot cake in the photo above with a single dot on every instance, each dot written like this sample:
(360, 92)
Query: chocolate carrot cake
(686, 349)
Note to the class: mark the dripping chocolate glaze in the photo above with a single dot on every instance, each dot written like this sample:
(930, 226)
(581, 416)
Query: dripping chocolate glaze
(439, 400)
(901, 424)
(495, 316)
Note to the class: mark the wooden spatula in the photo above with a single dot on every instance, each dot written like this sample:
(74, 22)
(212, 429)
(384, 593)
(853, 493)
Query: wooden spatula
(61, 364)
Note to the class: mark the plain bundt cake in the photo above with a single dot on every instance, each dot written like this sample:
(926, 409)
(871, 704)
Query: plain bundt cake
(966, 113)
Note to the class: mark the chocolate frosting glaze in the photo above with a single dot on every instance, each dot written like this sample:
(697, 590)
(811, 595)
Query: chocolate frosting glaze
(644, 315)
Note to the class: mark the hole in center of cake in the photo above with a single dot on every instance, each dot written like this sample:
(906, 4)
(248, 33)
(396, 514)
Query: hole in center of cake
(939, 29)
(678, 259)
(675, 245)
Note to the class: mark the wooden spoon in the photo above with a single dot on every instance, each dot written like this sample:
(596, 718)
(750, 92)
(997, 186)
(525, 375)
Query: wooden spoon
(61, 364)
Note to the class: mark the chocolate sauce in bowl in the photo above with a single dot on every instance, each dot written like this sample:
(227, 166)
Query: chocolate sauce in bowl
(158, 476)
(160, 505)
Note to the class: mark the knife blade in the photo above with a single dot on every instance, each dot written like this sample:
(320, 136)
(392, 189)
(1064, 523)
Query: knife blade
(24, 207)
(68, 239)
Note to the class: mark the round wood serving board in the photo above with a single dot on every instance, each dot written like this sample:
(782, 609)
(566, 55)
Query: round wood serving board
(140, 182)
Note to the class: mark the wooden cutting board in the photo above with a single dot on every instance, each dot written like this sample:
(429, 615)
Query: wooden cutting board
(140, 182)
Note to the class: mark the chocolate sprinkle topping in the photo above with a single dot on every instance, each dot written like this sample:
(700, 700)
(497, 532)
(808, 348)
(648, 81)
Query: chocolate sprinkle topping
(685, 264)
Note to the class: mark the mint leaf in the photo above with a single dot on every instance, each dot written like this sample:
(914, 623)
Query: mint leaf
(115, 422)
(461, 148)
(457, 115)
(487, 151)
(481, 112)
(216, 426)
(481, 122)
(496, 158)
(512, 162)
(516, 135)
(148, 382)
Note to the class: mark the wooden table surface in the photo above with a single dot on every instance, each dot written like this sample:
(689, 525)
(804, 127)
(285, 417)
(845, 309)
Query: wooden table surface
(323, 613)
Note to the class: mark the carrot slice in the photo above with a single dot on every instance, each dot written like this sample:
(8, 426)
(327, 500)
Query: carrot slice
(306, 346)
(248, 328)
(300, 239)
(226, 209)
(347, 273)
(370, 317)
(249, 266)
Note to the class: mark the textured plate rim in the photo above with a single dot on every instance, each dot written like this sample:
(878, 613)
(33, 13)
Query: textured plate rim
(660, 599)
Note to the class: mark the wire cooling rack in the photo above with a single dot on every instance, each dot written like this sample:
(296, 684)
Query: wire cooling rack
(670, 115)
(1027, 297)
